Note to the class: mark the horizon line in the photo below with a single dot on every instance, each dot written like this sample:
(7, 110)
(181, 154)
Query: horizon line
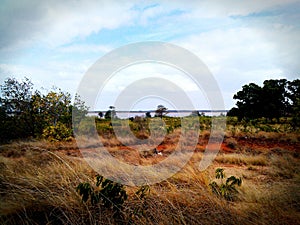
(169, 111)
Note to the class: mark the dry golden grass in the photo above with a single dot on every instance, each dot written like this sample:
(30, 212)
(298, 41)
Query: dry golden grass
(38, 186)
(241, 159)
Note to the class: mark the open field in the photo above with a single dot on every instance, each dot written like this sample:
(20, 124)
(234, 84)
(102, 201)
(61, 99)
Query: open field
(38, 183)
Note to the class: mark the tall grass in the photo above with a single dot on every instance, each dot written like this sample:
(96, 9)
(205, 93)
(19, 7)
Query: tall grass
(241, 159)
(38, 186)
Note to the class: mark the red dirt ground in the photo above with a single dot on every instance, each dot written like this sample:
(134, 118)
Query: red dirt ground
(243, 145)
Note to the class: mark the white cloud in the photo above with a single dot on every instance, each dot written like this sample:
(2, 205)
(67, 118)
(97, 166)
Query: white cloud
(51, 74)
(248, 48)
(236, 57)
(85, 18)
(139, 73)
(242, 48)
(136, 72)
(56, 23)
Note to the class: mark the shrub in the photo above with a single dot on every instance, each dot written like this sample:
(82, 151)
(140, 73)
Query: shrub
(227, 190)
(60, 132)
(110, 194)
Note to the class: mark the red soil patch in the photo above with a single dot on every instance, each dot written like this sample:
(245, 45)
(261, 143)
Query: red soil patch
(255, 145)
(269, 144)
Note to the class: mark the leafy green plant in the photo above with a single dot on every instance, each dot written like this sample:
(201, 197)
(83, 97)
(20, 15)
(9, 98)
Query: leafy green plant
(110, 194)
(228, 189)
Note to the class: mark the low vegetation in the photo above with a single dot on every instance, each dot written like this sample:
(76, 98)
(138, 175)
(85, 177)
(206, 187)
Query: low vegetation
(228, 189)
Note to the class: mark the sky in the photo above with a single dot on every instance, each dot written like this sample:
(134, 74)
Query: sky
(54, 43)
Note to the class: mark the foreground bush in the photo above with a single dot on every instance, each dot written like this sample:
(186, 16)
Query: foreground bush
(228, 189)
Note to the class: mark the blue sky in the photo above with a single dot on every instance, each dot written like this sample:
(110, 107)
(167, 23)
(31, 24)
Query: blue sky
(55, 42)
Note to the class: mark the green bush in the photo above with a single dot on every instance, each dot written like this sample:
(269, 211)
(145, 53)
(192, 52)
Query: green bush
(60, 132)
(228, 189)
(110, 194)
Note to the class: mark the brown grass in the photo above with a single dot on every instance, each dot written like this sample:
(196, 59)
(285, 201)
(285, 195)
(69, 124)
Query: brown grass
(38, 186)
(241, 159)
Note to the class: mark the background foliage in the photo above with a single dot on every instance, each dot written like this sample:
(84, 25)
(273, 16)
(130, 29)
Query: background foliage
(275, 99)
(27, 113)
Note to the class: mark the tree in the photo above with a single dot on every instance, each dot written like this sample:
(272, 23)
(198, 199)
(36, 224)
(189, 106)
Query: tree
(148, 114)
(26, 113)
(100, 114)
(293, 93)
(57, 107)
(195, 113)
(274, 100)
(79, 112)
(161, 111)
(111, 113)
(249, 103)
(16, 104)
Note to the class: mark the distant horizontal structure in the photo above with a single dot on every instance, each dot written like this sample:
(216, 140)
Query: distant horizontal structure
(169, 111)
(184, 112)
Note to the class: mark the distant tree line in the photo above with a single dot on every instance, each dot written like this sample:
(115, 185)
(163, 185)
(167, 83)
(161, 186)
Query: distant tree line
(25, 112)
(275, 99)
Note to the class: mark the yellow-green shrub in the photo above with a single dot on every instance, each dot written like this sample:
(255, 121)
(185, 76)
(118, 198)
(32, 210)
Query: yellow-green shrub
(59, 132)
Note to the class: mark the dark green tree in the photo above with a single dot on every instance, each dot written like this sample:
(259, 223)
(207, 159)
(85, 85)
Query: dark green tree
(249, 103)
(293, 94)
(16, 107)
(275, 99)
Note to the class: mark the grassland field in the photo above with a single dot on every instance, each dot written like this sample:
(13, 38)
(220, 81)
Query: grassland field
(38, 178)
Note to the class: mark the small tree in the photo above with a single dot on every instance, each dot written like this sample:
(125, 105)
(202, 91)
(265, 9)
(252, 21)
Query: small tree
(111, 113)
(109, 194)
(195, 113)
(79, 111)
(161, 111)
(148, 114)
(228, 189)
(100, 114)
